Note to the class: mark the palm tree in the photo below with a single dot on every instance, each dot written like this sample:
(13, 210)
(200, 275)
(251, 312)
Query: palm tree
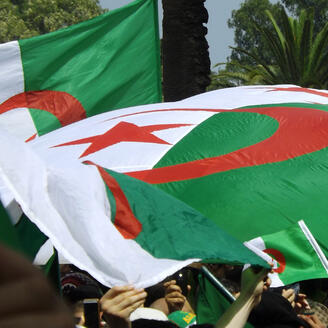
(186, 63)
(298, 57)
(235, 74)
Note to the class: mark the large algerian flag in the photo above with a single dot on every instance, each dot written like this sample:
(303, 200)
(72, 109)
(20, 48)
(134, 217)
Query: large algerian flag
(295, 253)
(109, 62)
(252, 159)
(119, 229)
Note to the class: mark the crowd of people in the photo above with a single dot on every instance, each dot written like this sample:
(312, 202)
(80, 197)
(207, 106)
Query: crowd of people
(27, 300)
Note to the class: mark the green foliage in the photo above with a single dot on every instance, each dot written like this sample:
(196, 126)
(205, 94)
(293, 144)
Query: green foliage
(235, 74)
(298, 56)
(320, 8)
(220, 81)
(11, 25)
(246, 34)
(25, 18)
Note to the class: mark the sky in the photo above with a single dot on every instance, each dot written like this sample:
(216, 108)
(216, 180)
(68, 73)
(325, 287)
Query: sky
(219, 36)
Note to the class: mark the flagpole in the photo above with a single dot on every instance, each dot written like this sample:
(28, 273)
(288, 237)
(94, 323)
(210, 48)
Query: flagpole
(218, 285)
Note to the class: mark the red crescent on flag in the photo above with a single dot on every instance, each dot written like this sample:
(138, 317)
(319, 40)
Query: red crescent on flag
(61, 104)
(279, 257)
(300, 131)
(125, 221)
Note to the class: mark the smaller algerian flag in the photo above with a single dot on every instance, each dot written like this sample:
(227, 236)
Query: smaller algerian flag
(295, 253)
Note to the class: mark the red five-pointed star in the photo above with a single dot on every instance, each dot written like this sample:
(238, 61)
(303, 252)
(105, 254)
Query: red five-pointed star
(123, 131)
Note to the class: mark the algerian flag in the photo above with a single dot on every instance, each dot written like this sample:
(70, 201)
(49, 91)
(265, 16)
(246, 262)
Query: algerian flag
(252, 159)
(117, 228)
(109, 62)
(296, 254)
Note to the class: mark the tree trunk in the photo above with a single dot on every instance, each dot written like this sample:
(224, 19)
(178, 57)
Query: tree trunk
(186, 63)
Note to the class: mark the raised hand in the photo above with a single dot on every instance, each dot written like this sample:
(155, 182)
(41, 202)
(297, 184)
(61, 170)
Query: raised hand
(298, 302)
(173, 296)
(119, 302)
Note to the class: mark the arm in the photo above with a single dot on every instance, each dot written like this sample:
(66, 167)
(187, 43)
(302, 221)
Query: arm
(253, 285)
(26, 298)
(119, 302)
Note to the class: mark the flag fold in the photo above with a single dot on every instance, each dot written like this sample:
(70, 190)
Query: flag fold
(117, 228)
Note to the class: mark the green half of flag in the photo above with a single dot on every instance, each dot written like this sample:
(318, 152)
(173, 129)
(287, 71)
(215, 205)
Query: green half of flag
(52, 270)
(210, 303)
(30, 236)
(31, 239)
(166, 227)
(26, 238)
(8, 235)
(255, 197)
